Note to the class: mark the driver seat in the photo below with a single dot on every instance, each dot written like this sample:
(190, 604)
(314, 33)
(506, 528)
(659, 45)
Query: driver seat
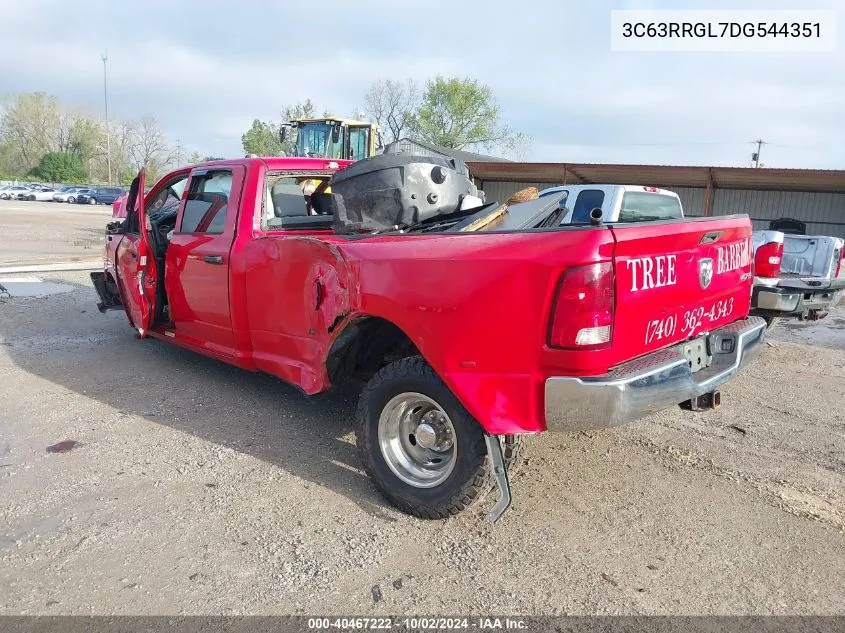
(288, 200)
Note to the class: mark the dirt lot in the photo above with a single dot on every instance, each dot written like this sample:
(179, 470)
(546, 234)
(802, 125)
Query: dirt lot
(40, 232)
(202, 489)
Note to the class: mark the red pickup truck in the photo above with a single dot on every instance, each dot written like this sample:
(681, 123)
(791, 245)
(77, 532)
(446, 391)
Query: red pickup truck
(463, 340)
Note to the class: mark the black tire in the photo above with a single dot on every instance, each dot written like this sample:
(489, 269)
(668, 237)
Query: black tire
(92, 201)
(470, 476)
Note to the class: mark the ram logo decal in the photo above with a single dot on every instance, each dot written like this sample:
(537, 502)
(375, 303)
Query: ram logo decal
(705, 272)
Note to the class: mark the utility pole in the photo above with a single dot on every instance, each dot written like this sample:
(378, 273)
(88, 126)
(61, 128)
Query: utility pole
(105, 58)
(756, 155)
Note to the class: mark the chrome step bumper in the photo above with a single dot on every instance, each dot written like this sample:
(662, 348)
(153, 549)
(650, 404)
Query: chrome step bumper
(651, 383)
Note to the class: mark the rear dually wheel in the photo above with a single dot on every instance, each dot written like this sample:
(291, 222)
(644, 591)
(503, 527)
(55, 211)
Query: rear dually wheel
(423, 450)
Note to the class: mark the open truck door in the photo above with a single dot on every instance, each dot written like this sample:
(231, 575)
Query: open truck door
(136, 263)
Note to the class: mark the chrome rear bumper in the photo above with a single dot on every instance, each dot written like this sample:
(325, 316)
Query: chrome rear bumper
(797, 296)
(651, 383)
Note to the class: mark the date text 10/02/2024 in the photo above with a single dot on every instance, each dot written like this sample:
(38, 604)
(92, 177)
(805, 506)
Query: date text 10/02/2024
(419, 623)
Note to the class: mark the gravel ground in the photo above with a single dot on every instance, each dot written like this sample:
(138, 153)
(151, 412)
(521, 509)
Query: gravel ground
(41, 232)
(197, 488)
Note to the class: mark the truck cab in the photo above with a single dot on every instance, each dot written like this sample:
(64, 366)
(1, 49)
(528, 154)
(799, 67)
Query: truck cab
(618, 203)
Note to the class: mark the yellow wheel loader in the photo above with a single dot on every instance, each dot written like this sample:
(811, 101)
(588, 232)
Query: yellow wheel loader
(332, 137)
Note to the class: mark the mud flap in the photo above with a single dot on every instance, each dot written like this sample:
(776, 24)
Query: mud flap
(500, 478)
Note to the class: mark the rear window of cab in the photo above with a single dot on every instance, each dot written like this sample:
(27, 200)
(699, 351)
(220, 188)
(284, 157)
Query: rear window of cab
(641, 206)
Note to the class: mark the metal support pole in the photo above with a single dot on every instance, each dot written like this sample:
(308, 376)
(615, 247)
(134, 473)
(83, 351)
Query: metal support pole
(105, 58)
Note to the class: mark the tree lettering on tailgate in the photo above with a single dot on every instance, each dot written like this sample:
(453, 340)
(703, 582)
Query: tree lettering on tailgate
(652, 272)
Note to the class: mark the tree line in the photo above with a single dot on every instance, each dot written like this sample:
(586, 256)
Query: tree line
(44, 139)
(456, 113)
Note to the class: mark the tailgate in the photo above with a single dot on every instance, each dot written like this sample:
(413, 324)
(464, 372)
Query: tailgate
(676, 280)
(808, 256)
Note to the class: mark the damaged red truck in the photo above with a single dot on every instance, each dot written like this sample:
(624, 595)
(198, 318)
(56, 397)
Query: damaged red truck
(463, 340)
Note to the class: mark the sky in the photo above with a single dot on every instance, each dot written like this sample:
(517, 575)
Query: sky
(207, 69)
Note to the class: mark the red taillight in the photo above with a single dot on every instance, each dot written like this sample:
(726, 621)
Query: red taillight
(767, 259)
(582, 315)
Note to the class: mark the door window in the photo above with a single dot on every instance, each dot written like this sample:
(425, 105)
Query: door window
(207, 202)
(359, 143)
(168, 196)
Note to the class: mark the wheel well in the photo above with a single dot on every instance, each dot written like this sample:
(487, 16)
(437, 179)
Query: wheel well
(365, 346)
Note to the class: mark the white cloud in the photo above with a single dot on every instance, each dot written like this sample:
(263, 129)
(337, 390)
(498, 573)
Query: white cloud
(206, 70)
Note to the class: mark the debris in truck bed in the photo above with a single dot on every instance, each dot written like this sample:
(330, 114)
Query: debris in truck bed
(479, 223)
(524, 195)
(538, 213)
(397, 191)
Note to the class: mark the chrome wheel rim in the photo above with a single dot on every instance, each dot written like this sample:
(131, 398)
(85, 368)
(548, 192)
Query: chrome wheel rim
(417, 440)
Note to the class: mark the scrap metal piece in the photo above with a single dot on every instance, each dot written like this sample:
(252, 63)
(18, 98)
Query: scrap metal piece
(484, 220)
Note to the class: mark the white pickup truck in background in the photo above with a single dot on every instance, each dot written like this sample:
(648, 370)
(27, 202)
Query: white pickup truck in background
(618, 203)
(795, 275)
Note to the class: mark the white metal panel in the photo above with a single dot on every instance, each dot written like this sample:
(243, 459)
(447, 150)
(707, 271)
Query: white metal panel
(824, 213)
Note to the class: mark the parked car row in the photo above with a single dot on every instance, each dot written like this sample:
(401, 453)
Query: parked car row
(72, 194)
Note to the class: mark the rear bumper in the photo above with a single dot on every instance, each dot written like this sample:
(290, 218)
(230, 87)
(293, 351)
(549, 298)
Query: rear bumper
(797, 297)
(647, 385)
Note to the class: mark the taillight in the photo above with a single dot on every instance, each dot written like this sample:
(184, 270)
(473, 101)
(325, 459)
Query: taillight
(582, 315)
(767, 259)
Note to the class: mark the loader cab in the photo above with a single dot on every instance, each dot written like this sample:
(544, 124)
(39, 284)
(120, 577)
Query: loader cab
(330, 137)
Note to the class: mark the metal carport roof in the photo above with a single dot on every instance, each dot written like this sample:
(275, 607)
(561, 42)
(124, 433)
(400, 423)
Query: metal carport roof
(762, 178)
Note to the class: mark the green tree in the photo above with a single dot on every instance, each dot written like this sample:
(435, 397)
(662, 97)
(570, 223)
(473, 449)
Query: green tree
(300, 110)
(195, 158)
(32, 123)
(60, 167)
(458, 113)
(8, 169)
(262, 139)
(87, 140)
